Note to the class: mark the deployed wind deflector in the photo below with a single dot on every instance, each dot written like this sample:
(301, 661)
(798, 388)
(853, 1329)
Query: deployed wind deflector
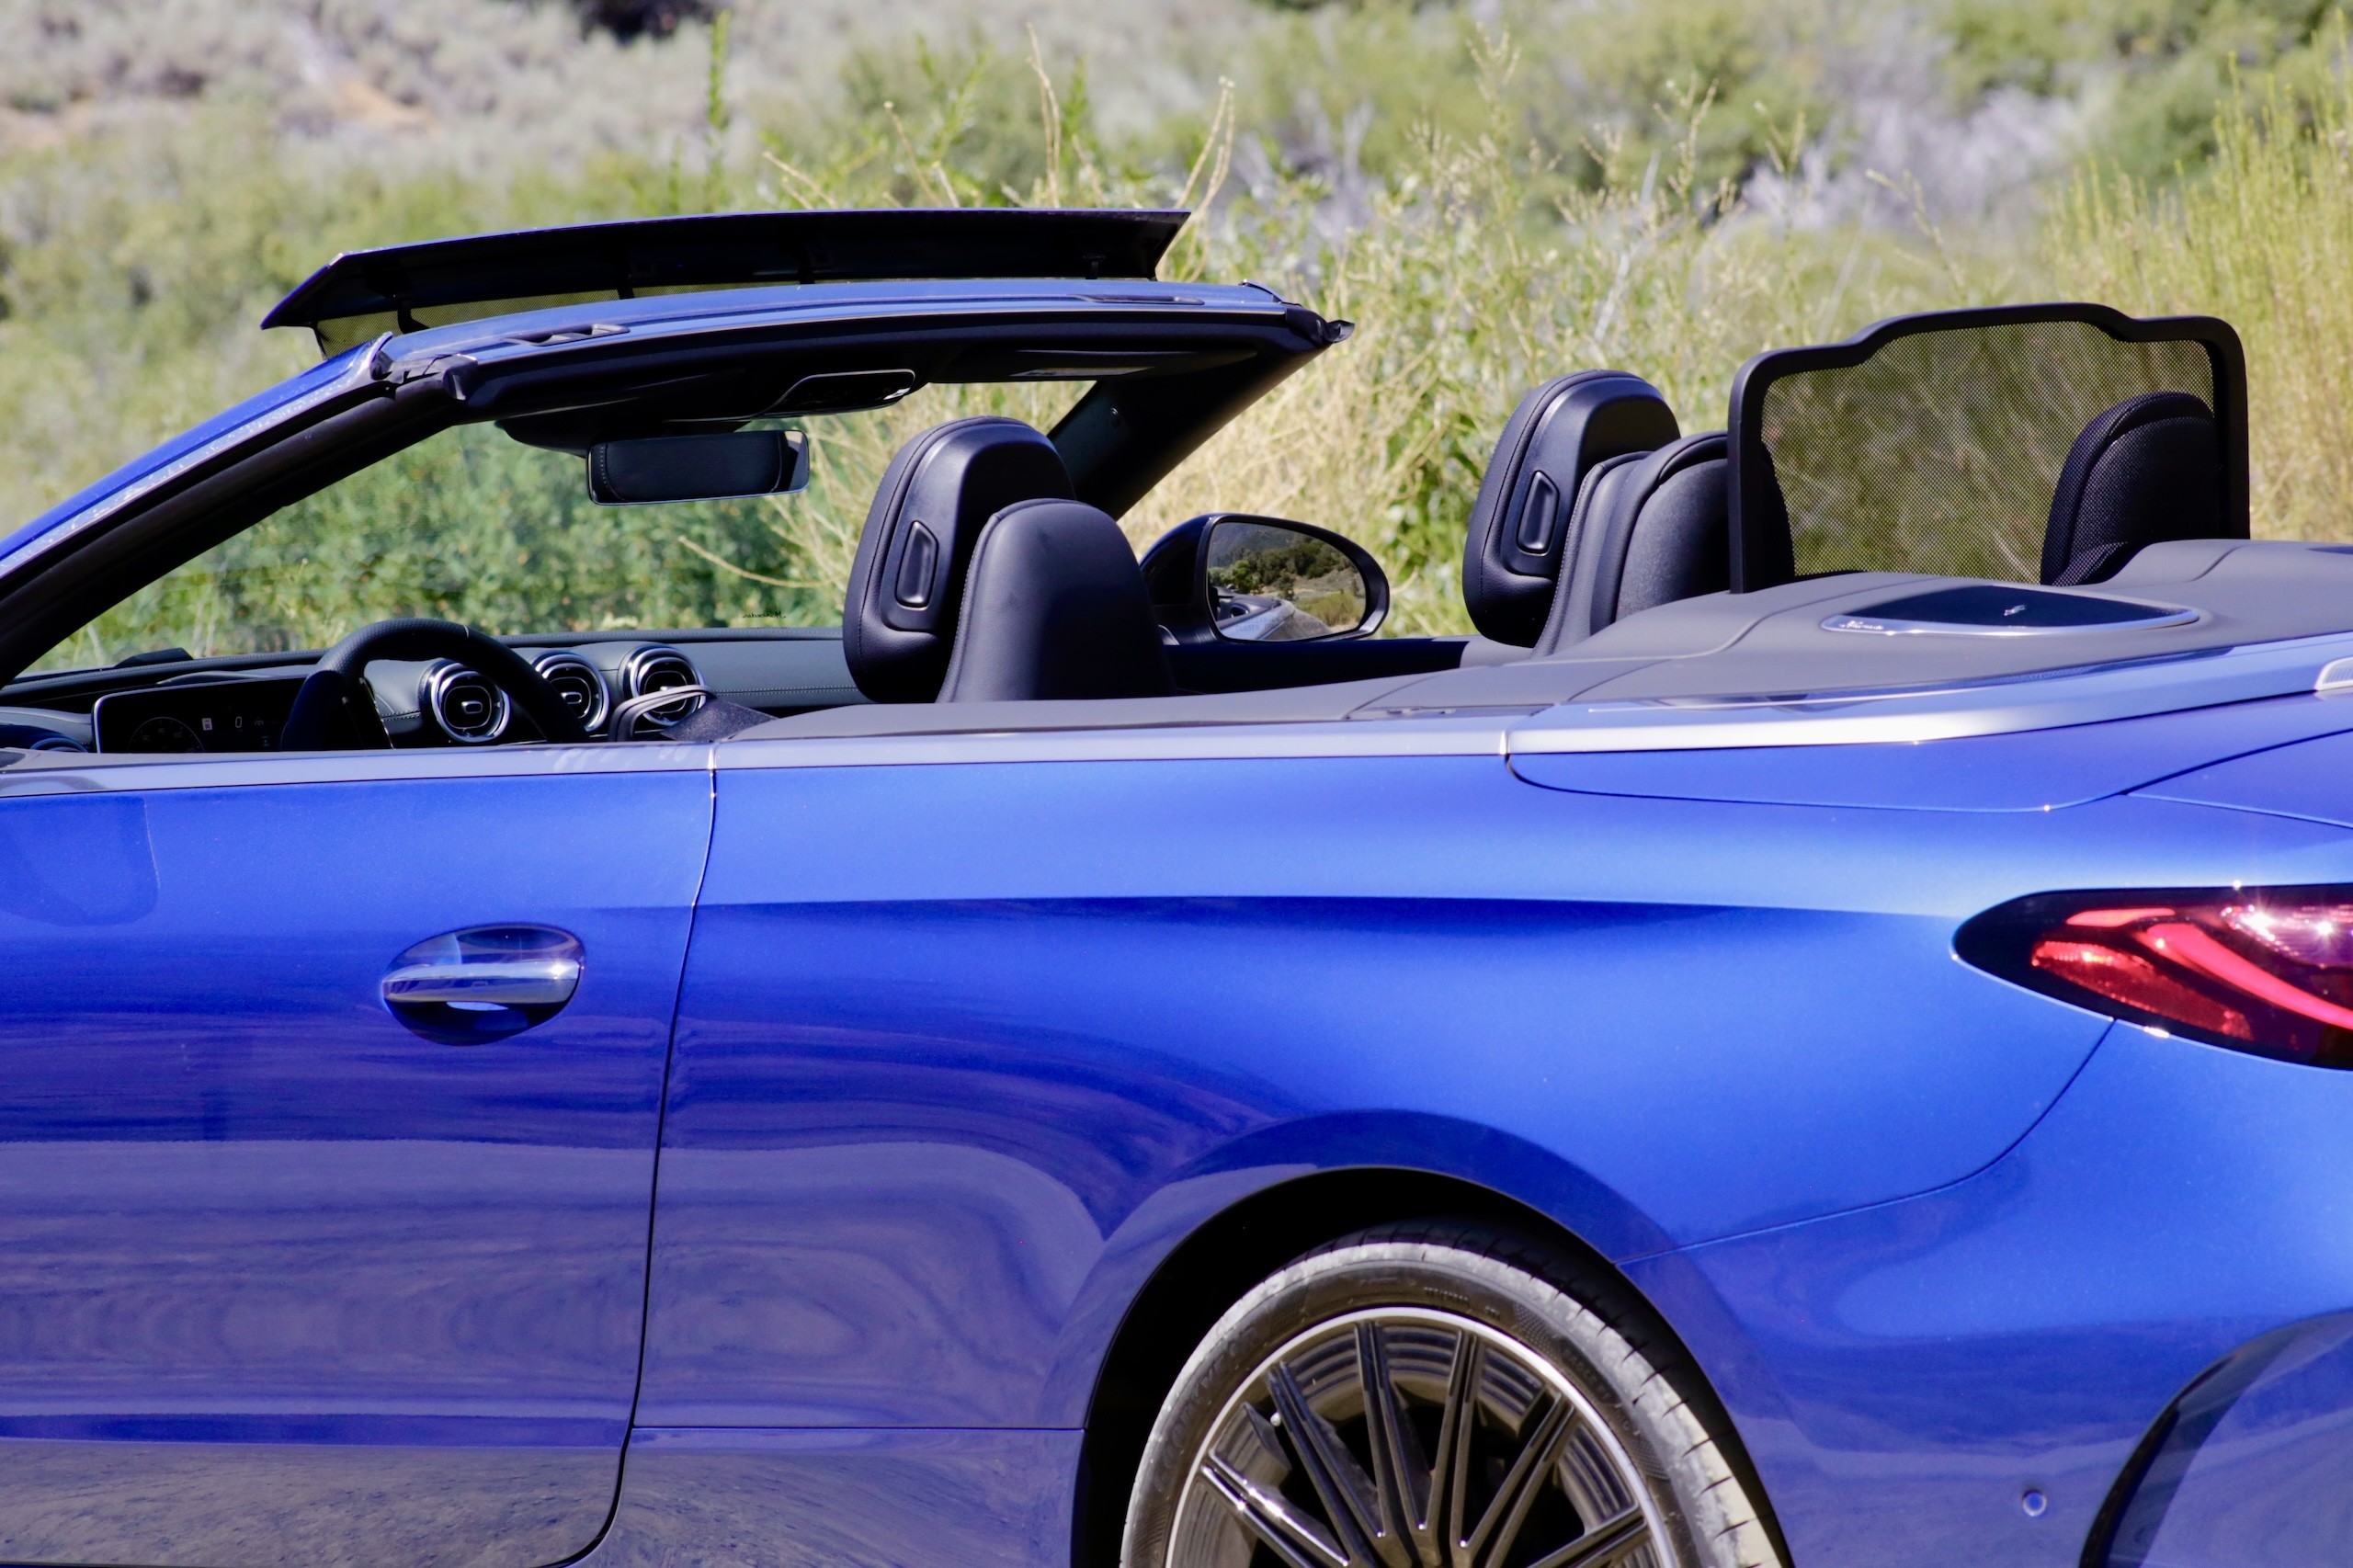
(2032, 443)
(409, 288)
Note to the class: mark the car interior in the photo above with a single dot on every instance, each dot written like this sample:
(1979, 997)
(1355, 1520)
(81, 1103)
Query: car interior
(1883, 511)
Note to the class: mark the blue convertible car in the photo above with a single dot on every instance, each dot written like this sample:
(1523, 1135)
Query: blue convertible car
(1818, 1038)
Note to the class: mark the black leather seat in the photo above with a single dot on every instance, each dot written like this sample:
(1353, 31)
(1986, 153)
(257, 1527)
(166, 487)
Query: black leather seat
(1520, 527)
(907, 583)
(2147, 469)
(1650, 528)
(1055, 606)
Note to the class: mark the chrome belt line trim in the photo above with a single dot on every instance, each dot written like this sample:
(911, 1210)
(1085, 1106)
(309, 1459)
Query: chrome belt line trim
(1344, 738)
(2010, 705)
(41, 773)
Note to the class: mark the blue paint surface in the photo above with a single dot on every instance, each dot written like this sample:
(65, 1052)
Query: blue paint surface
(963, 1053)
(281, 1280)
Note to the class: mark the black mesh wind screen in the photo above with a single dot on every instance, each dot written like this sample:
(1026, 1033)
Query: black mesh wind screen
(1940, 452)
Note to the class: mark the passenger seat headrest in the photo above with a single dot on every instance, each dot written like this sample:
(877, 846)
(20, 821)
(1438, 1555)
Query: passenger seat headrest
(1650, 528)
(2149, 469)
(899, 623)
(1519, 526)
(1055, 608)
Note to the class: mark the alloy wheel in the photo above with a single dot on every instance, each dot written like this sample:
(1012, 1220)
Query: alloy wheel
(1406, 1437)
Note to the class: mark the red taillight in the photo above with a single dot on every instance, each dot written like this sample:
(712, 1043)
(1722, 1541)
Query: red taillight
(2266, 969)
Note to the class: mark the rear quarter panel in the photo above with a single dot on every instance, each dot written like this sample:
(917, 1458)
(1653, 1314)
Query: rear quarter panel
(965, 1049)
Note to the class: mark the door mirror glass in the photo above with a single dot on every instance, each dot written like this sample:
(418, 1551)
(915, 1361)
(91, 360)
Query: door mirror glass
(1273, 582)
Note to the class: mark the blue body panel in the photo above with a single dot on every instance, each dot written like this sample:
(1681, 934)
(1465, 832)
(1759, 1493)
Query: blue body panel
(1903, 1375)
(942, 1098)
(285, 1281)
(835, 1499)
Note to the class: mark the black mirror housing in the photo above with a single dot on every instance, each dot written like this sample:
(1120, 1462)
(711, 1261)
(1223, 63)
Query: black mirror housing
(1239, 577)
(697, 468)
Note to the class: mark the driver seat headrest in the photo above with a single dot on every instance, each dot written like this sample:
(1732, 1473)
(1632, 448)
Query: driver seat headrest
(1520, 527)
(2148, 469)
(906, 587)
(1055, 606)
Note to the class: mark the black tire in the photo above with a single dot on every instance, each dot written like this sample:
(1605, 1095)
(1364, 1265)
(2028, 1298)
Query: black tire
(1504, 1359)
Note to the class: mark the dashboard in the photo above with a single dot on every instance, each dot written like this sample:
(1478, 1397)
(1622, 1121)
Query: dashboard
(241, 703)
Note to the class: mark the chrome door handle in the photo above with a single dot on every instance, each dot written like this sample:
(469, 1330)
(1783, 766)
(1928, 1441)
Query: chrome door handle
(483, 982)
(508, 982)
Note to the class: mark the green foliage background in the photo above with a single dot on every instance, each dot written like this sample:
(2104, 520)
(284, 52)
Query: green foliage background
(1494, 197)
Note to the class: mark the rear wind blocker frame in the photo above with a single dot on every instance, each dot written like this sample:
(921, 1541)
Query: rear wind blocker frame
(1936, 442)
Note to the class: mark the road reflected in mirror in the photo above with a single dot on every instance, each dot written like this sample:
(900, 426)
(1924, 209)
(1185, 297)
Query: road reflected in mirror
(1270, 583)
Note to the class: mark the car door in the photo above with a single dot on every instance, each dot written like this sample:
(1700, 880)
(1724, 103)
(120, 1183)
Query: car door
(307, 1254)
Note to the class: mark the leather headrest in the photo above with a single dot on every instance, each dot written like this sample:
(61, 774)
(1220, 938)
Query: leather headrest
(1519, 526)
(899, 623)
(2147, 469)
(1055, 608)
(1650, 528)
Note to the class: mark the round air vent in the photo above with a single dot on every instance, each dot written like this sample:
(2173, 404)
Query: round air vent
(575, 681)
(465, 706)
(656, 668)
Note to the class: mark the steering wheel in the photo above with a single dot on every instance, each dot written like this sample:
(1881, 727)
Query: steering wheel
(328, 712)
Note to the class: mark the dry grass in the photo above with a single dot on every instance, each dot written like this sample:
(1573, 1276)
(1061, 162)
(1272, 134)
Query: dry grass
(2265, 240)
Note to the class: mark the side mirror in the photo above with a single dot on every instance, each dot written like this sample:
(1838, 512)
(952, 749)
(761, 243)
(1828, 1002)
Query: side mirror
(1233, 577)
(697, 468)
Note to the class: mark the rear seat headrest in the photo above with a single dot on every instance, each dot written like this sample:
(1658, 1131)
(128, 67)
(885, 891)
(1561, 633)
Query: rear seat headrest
(2147, 469)
(1519, 526)
(1650, 528)
(899, 623)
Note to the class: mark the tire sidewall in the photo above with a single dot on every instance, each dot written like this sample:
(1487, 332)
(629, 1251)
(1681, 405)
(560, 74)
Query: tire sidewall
(1549, 1321)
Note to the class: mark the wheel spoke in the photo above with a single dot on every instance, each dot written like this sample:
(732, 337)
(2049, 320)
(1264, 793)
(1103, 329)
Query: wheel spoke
(1519, 1458)
(1612, 1537)
(1340, 1483)
(1491, 1543)
(1400, 1475)
(1450, 1477)
(1291, 1536)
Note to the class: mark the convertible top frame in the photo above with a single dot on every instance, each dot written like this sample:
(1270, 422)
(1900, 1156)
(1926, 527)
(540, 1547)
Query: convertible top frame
(362, 293)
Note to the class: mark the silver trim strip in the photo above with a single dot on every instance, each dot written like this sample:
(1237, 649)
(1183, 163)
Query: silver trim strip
(56, 773)
(2027, 701)
(1340, 738)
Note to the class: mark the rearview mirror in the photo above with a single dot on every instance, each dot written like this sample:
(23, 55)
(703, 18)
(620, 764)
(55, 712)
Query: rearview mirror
(697, 468)
(1230, 576)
